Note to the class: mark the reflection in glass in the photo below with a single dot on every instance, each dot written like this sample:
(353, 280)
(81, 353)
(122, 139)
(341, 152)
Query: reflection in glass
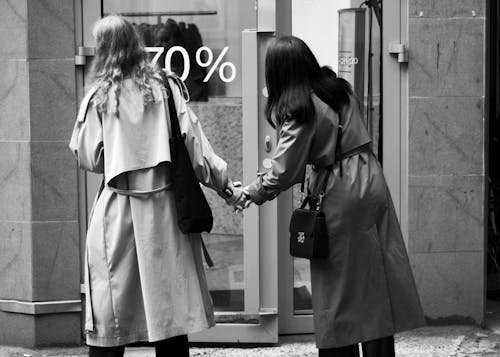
(302, 300)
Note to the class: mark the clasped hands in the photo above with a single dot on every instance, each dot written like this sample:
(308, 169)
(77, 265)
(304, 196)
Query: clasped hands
(240, 198)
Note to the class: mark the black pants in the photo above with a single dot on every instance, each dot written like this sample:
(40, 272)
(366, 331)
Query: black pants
(171, 347)
(383, 347)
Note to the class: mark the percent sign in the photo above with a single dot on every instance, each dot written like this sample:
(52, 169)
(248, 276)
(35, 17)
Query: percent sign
(187, 63)
(217, 63)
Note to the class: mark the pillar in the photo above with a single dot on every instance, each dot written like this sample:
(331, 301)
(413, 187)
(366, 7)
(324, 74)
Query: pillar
(39, 250)
(446, 160)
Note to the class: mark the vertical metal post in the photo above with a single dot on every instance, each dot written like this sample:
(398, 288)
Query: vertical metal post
(395, 107)
(250, 128)
(283, 17)
(266, 12)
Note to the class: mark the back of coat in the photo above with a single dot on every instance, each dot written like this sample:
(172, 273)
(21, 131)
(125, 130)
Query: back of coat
(144, 278)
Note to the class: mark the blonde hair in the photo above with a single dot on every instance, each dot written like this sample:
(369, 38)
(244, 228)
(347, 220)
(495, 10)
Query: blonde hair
(119, 54)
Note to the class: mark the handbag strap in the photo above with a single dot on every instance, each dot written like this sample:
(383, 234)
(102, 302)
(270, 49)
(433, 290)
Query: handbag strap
(338, 158)
(176, 132)
(338, 147)
(174, 120)
(324, 184)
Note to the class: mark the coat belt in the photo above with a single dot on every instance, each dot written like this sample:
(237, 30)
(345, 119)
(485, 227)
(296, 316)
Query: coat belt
(363, 148)
(355, 151)
(139, 193)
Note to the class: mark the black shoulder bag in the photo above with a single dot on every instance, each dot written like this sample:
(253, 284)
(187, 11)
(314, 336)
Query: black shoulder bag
(308, 233)
(193, 211)
(308, 229)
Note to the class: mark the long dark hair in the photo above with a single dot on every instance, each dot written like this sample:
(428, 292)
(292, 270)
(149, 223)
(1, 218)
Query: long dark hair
(292, 74)
(119, 54)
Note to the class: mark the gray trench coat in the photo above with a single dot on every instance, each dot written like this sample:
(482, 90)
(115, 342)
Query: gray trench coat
(145, 279)
(365, 289)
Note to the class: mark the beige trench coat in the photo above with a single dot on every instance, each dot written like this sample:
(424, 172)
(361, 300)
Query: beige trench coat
(365, 289)
(145, 279)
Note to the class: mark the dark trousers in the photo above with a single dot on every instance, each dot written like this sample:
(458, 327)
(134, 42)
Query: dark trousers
(382, 347)
(172, 347)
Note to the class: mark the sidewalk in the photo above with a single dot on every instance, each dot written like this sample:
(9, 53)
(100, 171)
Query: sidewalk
(447, 341)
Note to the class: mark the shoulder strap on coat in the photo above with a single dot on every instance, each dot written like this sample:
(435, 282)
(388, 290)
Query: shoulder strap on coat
(82, 112)
(179, 82)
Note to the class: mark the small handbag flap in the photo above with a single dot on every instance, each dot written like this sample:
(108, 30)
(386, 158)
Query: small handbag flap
(303, 220)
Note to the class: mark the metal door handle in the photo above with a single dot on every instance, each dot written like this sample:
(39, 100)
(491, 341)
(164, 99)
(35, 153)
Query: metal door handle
(83, 53)
(268, 143)
(400, 50)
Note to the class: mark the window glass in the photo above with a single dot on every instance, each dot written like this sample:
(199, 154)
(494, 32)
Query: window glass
(215, 25)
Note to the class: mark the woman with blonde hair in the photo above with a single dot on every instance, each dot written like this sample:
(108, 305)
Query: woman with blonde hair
(144, 278)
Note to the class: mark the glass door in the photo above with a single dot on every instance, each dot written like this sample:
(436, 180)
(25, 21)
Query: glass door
(203, 42)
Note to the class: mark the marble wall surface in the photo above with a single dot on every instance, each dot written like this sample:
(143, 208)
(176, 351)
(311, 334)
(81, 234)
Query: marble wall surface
(446, 156)
(39, 252)
(222, 123)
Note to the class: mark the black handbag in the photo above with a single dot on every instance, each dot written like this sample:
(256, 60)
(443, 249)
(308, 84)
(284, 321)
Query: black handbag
(193, 211)
(308, 229)
(308, 232)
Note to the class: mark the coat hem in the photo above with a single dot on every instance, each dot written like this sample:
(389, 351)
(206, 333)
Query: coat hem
(369, 337)
(143, 336)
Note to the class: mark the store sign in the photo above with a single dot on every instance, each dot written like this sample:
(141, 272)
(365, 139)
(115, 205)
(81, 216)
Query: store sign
(204, 57)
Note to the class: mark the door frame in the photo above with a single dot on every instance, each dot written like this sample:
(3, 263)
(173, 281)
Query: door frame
(395, 108)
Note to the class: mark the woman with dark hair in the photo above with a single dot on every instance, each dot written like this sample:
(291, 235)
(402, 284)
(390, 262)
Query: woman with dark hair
(364, 290)
(144, 278)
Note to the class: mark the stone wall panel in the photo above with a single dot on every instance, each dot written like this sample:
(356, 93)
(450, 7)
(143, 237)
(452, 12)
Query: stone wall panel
(446, 136)
(52, 99)
(446, 57)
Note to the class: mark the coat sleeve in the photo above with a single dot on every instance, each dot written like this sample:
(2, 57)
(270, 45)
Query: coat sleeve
(87, 141)
(209, 168)
(288, 163)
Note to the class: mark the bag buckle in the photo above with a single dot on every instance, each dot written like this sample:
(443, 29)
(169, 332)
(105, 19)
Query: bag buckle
(302, 198)
(320, 201)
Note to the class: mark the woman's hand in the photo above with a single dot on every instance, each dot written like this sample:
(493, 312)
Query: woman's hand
(233, 194)
(243, 200)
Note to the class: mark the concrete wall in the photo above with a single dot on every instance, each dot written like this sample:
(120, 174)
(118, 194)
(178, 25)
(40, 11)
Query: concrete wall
(446, 156)
(38, 214)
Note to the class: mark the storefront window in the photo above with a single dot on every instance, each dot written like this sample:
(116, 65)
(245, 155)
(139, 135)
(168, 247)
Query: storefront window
(201, 41)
